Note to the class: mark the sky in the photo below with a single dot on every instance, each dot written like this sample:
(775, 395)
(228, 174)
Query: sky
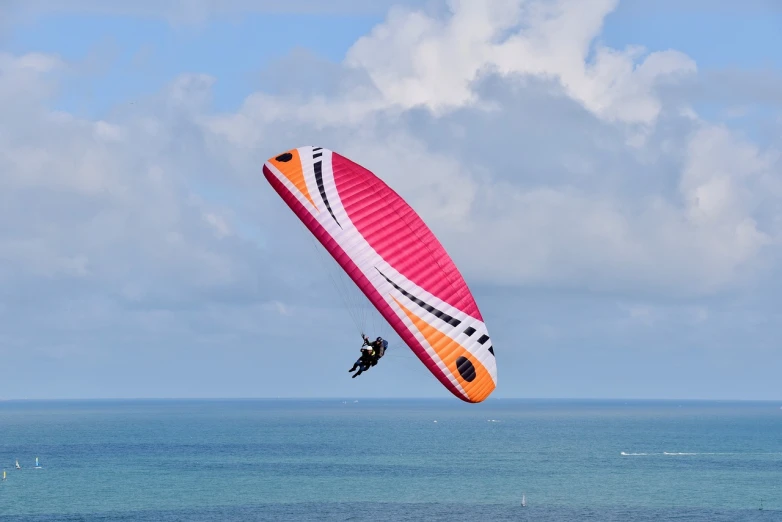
(615, 164)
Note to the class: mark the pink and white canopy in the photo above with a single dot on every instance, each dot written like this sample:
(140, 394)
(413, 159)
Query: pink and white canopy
(397, 262)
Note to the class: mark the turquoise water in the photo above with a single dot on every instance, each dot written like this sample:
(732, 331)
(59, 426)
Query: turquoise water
(389, 460)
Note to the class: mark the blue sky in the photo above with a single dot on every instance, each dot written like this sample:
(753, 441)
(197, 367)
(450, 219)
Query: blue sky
(125, 58)
(632, 199)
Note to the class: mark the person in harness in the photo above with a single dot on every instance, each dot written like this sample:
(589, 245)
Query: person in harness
(379, 346)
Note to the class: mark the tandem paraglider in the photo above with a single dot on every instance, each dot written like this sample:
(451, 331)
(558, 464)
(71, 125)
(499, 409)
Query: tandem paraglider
(381, 244)
(371, 353)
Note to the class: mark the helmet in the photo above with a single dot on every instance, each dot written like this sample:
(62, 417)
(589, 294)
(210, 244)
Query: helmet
(379, 339)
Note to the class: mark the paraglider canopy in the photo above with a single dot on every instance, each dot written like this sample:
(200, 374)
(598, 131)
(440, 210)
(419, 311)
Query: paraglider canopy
(390, 254)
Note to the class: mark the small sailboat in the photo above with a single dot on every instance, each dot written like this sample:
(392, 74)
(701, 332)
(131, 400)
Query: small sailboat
(17, 464)
(523, 500)
(37, 466)
(3, 474)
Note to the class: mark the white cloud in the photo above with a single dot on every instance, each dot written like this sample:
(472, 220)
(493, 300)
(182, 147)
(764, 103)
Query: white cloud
(414, 60)
(702, 236)
(25, 83)
(219, 224)
(417, 60)
(586, 176)
(112, 203)
(702, 240)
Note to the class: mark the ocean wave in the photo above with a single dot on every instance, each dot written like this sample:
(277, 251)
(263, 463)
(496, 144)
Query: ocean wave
(691, 453)
(677, 453)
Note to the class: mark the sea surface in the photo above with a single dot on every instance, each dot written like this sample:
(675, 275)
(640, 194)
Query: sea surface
(400, 460)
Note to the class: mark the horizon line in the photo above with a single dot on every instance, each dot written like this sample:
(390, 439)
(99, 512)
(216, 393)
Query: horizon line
(338, 398)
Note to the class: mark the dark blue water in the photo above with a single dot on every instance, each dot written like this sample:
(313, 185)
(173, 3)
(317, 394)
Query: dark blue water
(390, 460)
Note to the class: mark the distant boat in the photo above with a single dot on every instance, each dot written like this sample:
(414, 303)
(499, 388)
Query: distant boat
(17, 464)
(37, 466)
(523, 500)
(3, 474)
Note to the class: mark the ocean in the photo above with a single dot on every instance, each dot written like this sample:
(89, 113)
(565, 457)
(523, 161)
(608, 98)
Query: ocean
(400, 460)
